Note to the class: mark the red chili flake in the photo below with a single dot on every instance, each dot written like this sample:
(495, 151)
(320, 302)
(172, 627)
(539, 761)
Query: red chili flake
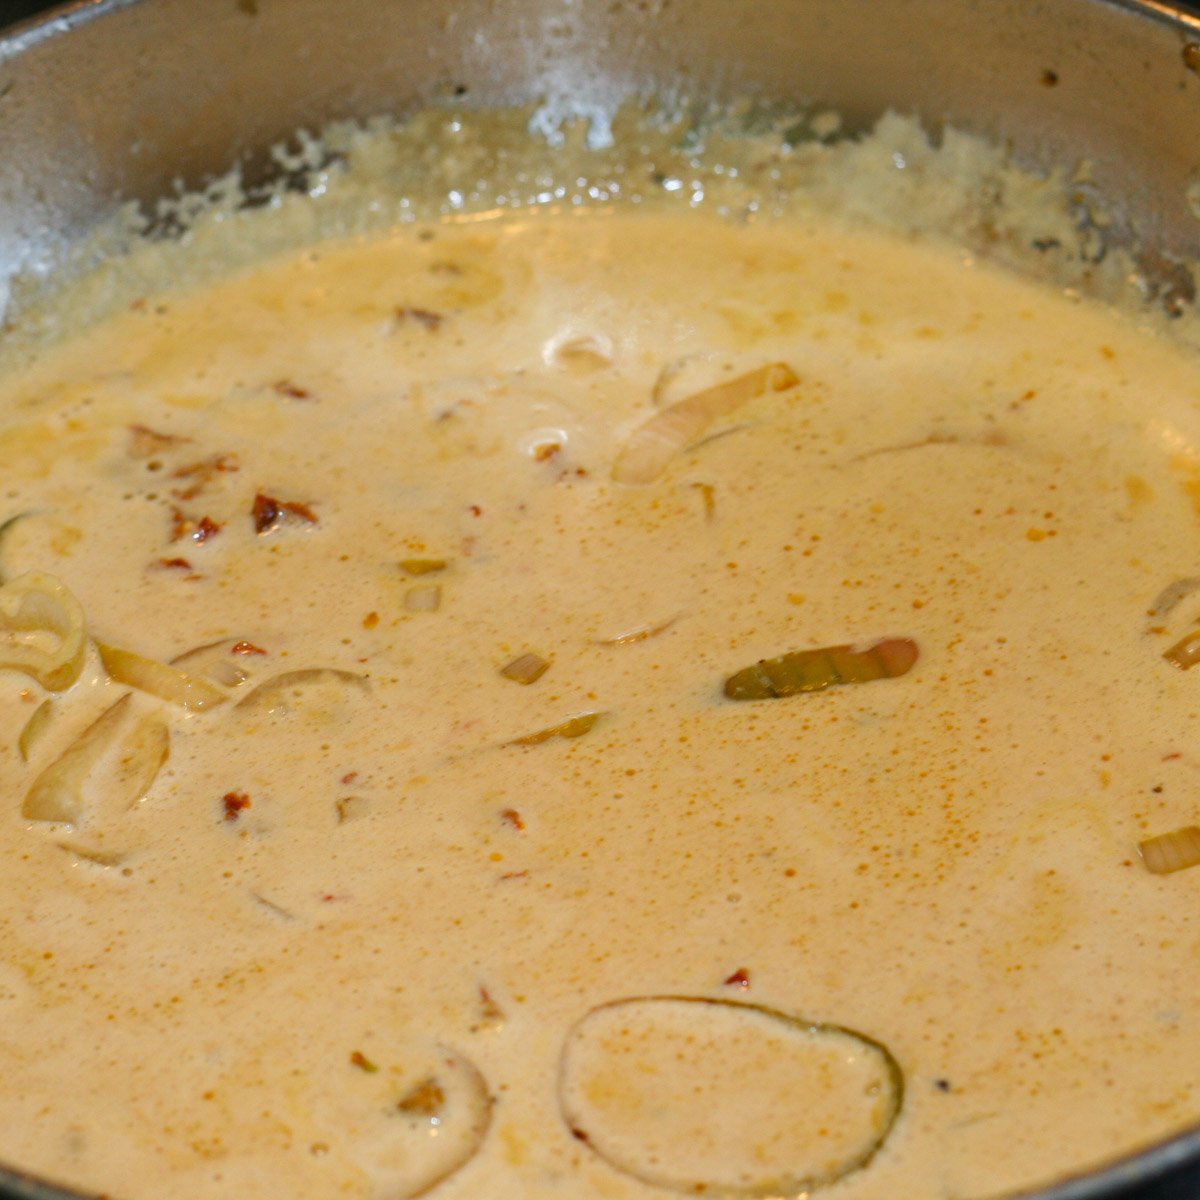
(739, 979)
(174, 564)
(269, 513)
(513, 818)
(475, 510)
(1171, 757)
(423, 316)
(285, 387)
(234, 802)
(515, 875)
(183, 526)
(544, 451)
(245, 648)
(360, 1060)
(349, 777)
(332, 897)
(206, 529)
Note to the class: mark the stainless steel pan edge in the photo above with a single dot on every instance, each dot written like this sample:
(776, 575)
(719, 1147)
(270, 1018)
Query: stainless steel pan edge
(114, 100)
(120, 98)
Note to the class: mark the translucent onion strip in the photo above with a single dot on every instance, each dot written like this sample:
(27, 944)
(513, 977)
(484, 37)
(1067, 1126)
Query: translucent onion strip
(411, 1116)
(1170, 852)
(653, 444)
(526, 669)
(813, 670)
(426, 598)
(422, 566)
(42, 631)
(724, 1098)
(35, 727)
(143, 754)
(215, 661)
(57, 793)
(272, 693)
(575, 727)
(1185, 654)
(6, 527)
(630, 636)
(160, 679)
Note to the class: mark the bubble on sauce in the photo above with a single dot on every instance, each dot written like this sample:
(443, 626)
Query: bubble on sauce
(725, 1097)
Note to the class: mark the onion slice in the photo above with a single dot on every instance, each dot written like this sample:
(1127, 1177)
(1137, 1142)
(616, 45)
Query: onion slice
(1185, 654)
(412, 1114)
(573, 728)
(1170, 852)
(6, 528)
(654, 443)
(143, 755)
(422, 566)
(36, 609)
(526, 669)
(57, 793)
(813, 670)
(160, 679)
(215, 661)
(35, 727)
(425, 598)
(630, 636)
(271, 693)
(725, 1098)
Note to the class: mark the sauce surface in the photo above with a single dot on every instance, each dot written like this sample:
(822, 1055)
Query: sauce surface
(367, 932)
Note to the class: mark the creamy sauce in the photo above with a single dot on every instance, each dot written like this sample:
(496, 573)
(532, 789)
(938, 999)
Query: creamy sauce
(357, 939)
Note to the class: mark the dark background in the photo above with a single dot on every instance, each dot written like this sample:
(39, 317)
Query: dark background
(1183, 1187)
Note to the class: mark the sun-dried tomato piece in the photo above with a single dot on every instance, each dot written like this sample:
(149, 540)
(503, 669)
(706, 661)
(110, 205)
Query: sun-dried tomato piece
(270, 513)
(233, 803)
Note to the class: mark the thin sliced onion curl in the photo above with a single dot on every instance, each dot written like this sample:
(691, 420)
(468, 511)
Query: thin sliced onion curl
(654, 443)
(143, 754)
(526, 669)
(1185, 654)
(34, 729)
(57, 793)
(426, 598)
(218, 661)
(725, 1098)
(1170, 852)
(42, 631)
(422, 566)
(414, 1115)
(273, 693)
(573, 728)
(160, 679)
(630, 636)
